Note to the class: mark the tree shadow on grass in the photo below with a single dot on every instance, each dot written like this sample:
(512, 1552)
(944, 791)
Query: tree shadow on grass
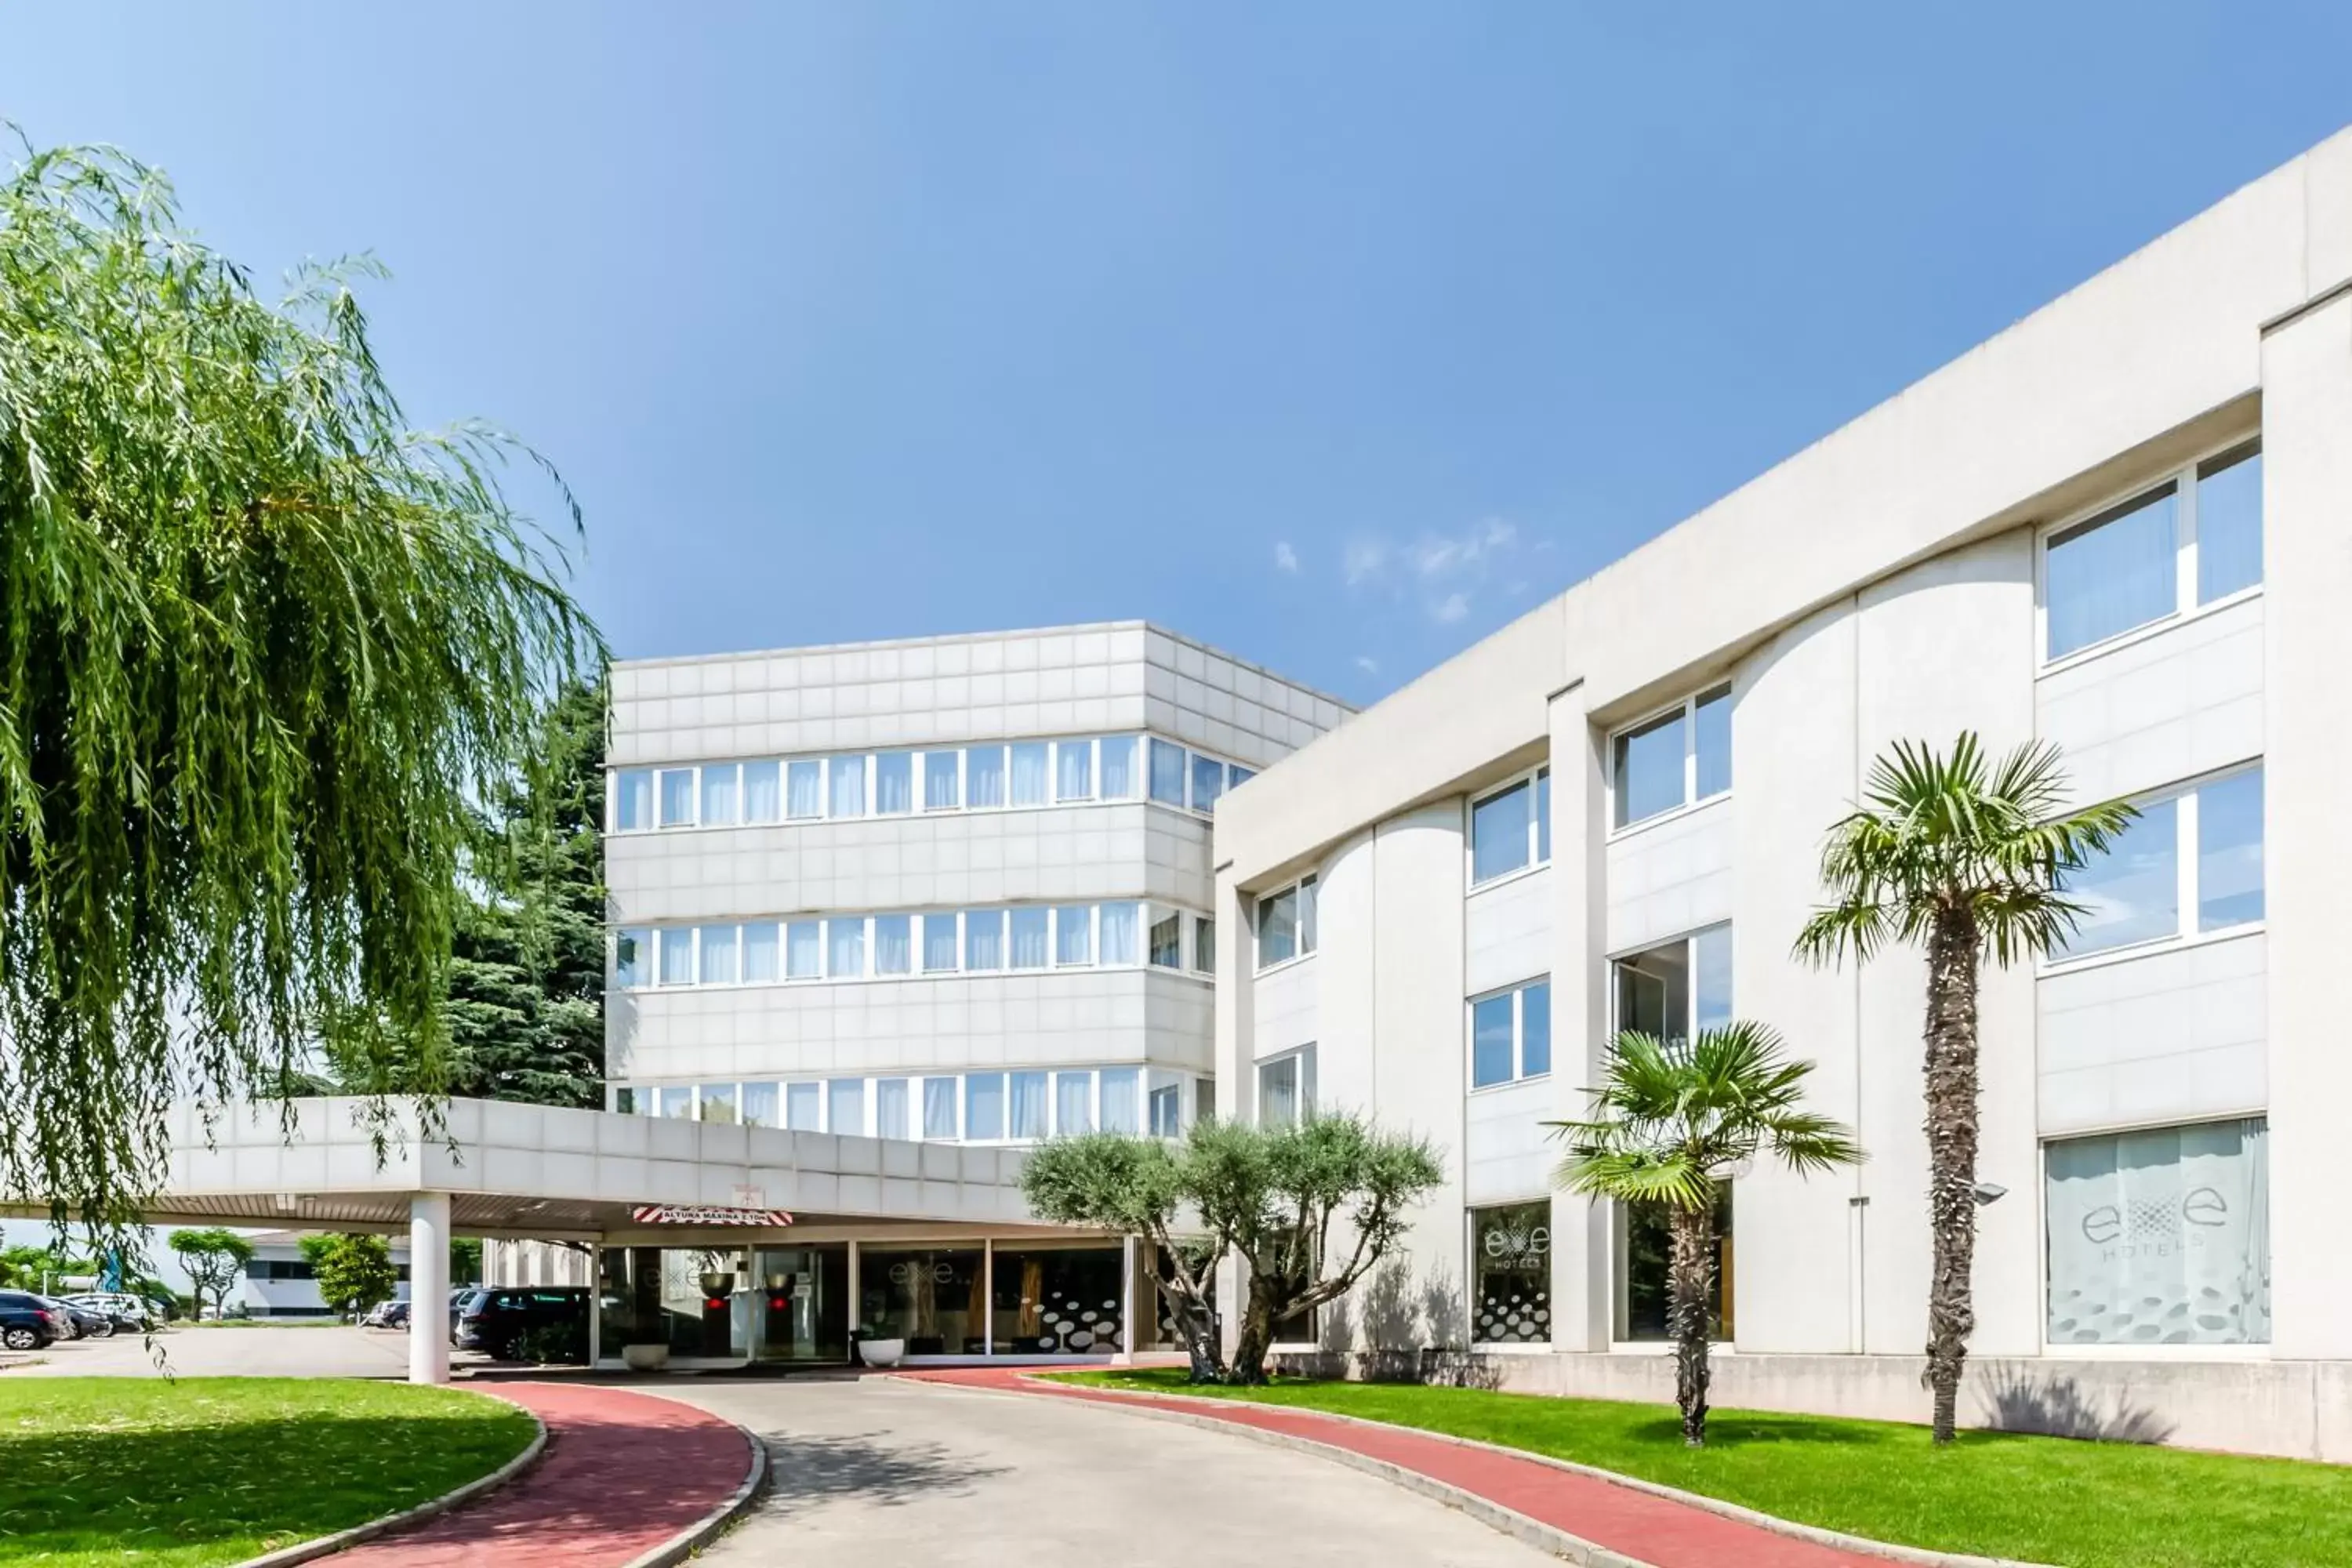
(1739, 1429)
(277, 1479)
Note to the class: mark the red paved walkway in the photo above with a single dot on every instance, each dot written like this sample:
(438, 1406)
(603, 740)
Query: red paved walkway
(623, 1473)
(1652, 1529)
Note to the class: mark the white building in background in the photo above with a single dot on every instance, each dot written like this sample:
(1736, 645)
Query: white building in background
(2124, 526)
(949, 891)
(279, 1283)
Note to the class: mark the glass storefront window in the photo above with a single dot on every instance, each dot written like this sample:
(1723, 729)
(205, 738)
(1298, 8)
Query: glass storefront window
(696, 1300)
(1510, 1269)
(1057, 1300)
(932, 1298)
(1644, 1245)
(2161, 1237)
(803, 1303)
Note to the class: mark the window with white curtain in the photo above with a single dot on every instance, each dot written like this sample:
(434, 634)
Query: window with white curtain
(1167, 773)
(983, 1107)
(677, 956)
(1120, 1086)
(1167, 1110)
(1120, 779)
(677, 1103)
(2160, 1235)
(1029, 939)
(678, 797)
(890, 1108)
(1074, 1102)
(762, 953)
(849, 778)
(764, 798)
(1285, 1088)
(804, 951)
(893, 944)
(2228, 523)
(803, 1105)
(720, 961)
(1119, 932)
(633, 954)
(1204, 944)
(1073, 935)
(718, 1103)
(759, 1105)
(1028, 1106)
(894, 784)
(2191, 862)
(2192, 539)
(845, 942)
(1167, 950)
(939, 1108)
(722, 795)
(939, 943)
(804, 790)
(1029, 765)
(983, 776)
(984, 939)
(844, 1106)
(633, 800)
(1074, 765)
(1286, 924)
(1208, 782)
(942, 781)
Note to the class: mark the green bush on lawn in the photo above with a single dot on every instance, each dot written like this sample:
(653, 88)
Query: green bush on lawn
(2037, 1500)
(199, 1471)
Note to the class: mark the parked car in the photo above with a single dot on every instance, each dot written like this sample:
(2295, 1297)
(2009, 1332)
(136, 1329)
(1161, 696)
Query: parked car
(458, 1299)
(499, 1320)
(80, 1323)
(127, 1313)
(26, 1323)
(396, 1315)
(374, 1317)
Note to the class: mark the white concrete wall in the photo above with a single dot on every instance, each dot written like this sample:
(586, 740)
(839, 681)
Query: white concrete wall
(1506, 933)
(1507, 1154)
(2179, 1033)
(1669, 878)
(2157, 709)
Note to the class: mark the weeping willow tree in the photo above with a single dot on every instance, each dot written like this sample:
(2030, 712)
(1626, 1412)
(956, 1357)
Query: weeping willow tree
(260, 646)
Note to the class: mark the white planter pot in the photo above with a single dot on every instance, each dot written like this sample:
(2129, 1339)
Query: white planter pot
(644, 1358)
(881, 1352)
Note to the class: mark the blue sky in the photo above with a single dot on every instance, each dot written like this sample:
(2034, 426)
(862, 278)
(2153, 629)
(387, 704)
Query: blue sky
(1333, 334)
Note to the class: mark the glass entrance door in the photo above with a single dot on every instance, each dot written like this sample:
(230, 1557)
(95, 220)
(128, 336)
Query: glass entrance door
(802, 1296)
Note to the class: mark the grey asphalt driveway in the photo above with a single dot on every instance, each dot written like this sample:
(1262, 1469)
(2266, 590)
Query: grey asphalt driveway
(879, 1471)
(336, 1351)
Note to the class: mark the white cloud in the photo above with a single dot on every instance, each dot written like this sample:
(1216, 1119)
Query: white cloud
(1365, 558)
(1368, 664)
(1444, 572)
(1286, 559)
(1451, 608)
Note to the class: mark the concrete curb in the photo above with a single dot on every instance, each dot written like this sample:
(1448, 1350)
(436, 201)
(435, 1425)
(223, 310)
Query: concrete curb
(703, 1531)
(305, 1551)
(1921, 1557)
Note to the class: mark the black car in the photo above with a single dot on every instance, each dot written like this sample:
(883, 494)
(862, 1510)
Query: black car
(79, 1323)
(27, 1322)
(510, 1322)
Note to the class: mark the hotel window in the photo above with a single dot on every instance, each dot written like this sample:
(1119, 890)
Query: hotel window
(625, 1101)
(983, 1107)
(844, 943)
(894, 784)
(1286, 924)
(1074, 770)
(890, 1108)
(1643, 1236)
(1120, 780)
(2161, 1237)
(1167, 1110)
(678, 797)
(718, 964)
(984, 778)
(848, 777)
(1510, 1274)
(676, 955)
(719, 1102)
(632, 957)
(722, 795)
(893, 944)
(804, 790)
(1073, 936)
(1119, 1086)
(1204, 944)
(2187, 542)
(1204, 1099)
(939, 1107)
(1028, 1106)
(763, 799)
(1117, 936)
(677, 1103)
(1029, 769)
(1510, 1035)
(1680, 757)
(1074, 1102)
(1029, 939)
(984, 939)
(1208, 783)
(1167, 941)
(1167, 773)
(1285, 1088)
(1511, 828)
(939, 943)
(1678, 987)
(803, 1104)
(633, 800)
(844, 1106)
(762, 954)
(804, 951)
(759, 1105)
(942, 781)
(2190, 862)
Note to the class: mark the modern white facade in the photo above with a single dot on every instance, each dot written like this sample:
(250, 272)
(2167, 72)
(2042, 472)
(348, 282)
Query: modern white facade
(2120, 526)
(280, 1283)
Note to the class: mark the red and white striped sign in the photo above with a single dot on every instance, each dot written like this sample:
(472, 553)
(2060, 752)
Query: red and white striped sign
(706, 1213)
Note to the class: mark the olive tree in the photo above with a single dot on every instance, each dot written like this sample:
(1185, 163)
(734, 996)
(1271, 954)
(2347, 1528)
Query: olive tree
(1135, 1186)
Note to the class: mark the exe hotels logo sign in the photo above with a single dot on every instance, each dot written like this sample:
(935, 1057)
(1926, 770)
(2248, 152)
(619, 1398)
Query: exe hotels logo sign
(2146, 1227)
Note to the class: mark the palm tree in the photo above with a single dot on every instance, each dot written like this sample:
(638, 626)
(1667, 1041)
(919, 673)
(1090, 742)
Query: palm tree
(1964, 857)
(1671, 1121)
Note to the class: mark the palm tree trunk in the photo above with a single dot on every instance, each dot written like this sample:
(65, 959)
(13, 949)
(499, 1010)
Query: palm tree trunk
(1690, 1280)
(1953, 948)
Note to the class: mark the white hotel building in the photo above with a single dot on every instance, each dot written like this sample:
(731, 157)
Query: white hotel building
(2124, 526)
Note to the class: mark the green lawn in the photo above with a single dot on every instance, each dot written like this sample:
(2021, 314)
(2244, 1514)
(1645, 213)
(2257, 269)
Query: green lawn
(2042, 1499)
(209, 1470)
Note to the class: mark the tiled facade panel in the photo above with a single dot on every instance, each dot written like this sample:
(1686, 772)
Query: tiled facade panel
(2171, 1036)
(915, 1026)
(1068, 680)
(1670, 878)
(891, 863)
(2183, 703)
(1507, 933)
(1285, 1007)
(1506, 1150)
